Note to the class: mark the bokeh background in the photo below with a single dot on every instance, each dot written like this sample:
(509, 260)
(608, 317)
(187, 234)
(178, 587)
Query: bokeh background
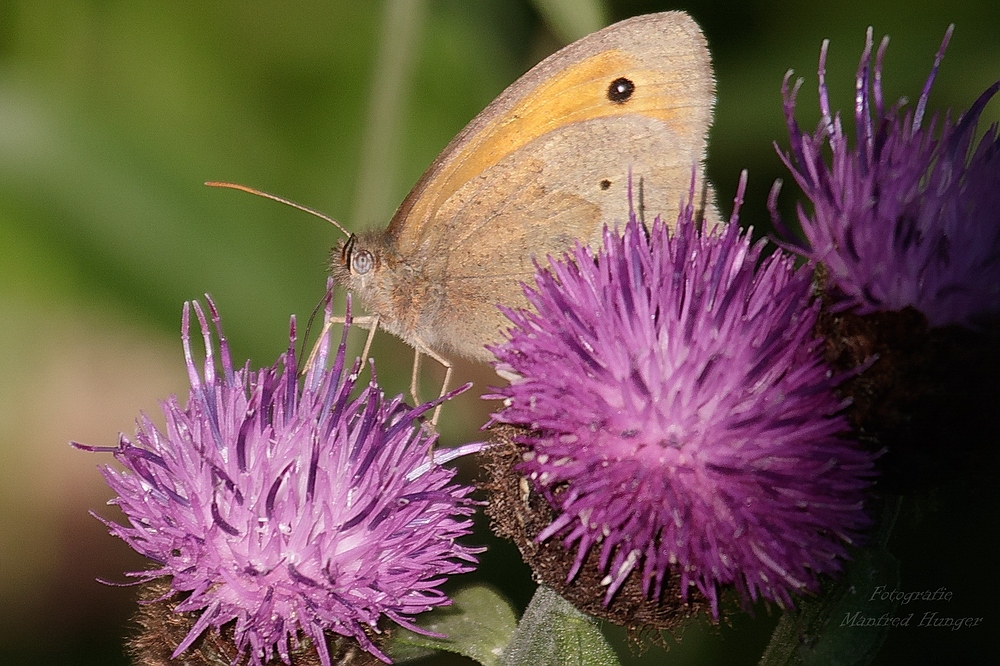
(112, 114)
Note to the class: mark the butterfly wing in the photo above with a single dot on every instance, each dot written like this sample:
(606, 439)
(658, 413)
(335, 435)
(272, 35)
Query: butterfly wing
(548, 162)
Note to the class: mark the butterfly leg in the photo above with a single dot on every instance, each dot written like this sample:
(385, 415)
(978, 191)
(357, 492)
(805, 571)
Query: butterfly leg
(421, 349)
(415, 376)
(371, 323)
(371, 336)
(445, 385)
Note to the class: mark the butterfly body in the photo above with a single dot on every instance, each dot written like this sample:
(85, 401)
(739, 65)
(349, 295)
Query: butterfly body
(616, 120)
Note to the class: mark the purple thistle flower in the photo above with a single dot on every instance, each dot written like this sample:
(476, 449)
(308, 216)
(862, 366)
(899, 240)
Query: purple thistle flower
(682, 418)
(290, 508)
(909, 216)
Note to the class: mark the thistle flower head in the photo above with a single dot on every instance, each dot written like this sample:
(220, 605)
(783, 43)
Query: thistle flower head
(908, 216)
(288, 507)
(681, 416)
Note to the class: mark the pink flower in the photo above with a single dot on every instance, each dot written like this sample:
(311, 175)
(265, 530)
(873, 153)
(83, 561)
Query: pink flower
(681, 417)
(288, 507)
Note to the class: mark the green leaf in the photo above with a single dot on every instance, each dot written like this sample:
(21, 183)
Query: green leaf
(553, 632)
(847, 625)
(478, 625)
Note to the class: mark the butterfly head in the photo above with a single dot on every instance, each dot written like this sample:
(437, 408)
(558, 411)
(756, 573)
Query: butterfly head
(357, 265)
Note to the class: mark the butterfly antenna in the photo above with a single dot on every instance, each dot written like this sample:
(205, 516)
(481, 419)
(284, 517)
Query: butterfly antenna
(275, 197)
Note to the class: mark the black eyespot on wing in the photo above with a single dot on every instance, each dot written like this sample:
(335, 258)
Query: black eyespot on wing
(620, 90)
(605, 184)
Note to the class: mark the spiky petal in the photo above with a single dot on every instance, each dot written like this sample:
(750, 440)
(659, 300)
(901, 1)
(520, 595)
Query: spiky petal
(908, 216)
(289, 507)
(682, 417)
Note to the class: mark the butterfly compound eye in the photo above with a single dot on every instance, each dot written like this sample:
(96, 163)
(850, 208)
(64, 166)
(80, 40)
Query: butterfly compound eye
(362, 262)
(620, 90)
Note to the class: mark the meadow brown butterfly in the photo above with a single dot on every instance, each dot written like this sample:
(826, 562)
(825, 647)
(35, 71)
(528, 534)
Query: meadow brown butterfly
(618, 119)
(549, 162)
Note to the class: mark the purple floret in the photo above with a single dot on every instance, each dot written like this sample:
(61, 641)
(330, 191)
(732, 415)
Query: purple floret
(909, 216)
(683, 419)
(289, 507)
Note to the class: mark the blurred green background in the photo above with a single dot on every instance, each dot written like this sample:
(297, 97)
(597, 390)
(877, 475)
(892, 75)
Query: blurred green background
(112, 114)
